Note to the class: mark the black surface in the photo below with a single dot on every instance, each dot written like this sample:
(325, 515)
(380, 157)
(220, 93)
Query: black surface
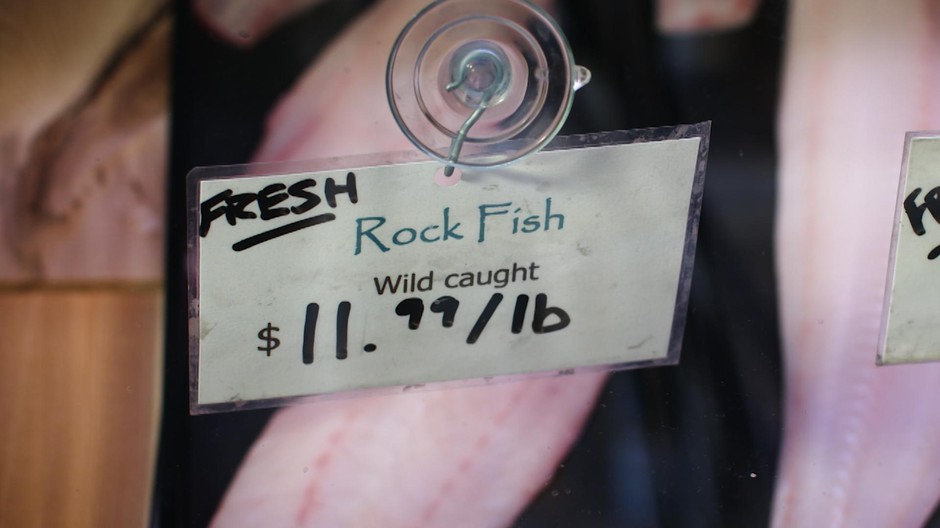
(677, 446)
(674, 446)
(221, 96)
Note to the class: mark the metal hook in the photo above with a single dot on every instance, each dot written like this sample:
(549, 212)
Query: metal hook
(461, 136)
(483, 76)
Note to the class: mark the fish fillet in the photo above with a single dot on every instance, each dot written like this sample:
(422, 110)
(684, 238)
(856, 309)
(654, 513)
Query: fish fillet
(861, 443)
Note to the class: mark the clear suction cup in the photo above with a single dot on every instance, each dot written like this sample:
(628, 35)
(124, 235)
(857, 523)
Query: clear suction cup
(479, 83)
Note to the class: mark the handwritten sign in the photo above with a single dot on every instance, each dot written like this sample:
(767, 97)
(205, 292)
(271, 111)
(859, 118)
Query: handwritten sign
(911, 330)
(316, 282)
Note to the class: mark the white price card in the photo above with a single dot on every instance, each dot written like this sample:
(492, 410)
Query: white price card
(911, 325)
(351, 276)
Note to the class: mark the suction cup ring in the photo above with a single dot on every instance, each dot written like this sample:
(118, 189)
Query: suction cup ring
(481, 83)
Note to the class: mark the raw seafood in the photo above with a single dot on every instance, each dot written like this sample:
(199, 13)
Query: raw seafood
(407, 460)
(698, 16)
(860, 442)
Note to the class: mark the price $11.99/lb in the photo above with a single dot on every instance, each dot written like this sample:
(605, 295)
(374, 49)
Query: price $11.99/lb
(545, 319)
(573, 259)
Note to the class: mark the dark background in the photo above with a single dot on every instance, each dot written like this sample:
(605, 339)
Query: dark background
(688, 446)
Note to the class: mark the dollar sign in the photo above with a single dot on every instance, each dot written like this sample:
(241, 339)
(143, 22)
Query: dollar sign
(270, 342)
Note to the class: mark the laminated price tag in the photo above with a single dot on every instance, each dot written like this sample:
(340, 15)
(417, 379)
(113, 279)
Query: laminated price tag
(911, 325)
(348, 276)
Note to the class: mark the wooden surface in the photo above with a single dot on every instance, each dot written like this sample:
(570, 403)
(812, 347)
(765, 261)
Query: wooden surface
(78, 404)
(83, 135)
